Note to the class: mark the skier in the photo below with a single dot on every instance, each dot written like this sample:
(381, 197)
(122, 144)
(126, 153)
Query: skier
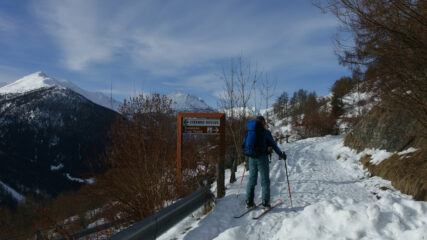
(256, 150)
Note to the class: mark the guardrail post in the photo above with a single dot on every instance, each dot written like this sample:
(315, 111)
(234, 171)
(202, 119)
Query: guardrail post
(220, 179)
(233, 169)
(233, 173)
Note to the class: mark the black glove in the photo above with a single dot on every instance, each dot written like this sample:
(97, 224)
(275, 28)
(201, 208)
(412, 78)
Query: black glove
(283, 156)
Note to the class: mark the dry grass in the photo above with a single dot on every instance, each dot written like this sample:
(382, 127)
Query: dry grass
(408, 172)
(394, 131)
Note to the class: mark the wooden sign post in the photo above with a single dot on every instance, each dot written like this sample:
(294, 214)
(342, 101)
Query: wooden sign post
(206, 124)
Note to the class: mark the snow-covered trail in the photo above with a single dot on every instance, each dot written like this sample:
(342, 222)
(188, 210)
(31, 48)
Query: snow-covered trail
(316, 175)
(333, 199)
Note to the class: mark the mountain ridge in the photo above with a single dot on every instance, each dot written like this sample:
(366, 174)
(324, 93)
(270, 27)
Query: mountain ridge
(45, 127)
(40, 80)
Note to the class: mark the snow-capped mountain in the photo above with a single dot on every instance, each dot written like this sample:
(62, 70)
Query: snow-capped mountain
(39, 80)
(183, 102)
(50, 132)
(51, 129)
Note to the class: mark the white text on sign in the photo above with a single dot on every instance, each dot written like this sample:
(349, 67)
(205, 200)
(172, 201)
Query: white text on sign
(202, 122)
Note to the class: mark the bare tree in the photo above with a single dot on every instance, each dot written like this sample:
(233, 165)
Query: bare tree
(228, 102)
(140, 161)
(267, 90)
(247, 78)
(229, 99)
(239, 79)
(391, 46)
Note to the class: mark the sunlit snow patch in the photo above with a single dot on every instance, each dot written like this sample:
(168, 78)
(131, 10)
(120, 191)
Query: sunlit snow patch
(409, 150)
(57, 167)
(12, 192)
(89, 180)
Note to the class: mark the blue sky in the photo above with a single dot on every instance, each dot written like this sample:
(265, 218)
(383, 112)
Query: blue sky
(162, 46)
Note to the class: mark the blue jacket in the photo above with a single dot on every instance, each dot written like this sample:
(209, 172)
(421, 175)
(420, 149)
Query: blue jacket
(268, 141)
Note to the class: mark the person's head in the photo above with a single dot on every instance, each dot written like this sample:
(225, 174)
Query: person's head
(262, 120)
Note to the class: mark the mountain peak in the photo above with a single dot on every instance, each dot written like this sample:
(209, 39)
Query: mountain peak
(39, 80)
(185, 102)
(32, 82)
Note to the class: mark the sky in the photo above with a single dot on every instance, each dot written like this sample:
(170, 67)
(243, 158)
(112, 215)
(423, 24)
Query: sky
(162, 46)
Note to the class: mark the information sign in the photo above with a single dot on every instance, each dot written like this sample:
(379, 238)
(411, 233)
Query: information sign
(206, 124)
(201, 122)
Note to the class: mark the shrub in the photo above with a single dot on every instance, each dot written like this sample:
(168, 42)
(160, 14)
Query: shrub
(140, 162)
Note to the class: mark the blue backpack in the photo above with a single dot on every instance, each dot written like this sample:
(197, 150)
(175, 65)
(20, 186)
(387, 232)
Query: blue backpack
(253, 145)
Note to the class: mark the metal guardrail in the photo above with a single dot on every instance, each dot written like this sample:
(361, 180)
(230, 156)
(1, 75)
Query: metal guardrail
(154, 225)
(149, 228)
(160, 222)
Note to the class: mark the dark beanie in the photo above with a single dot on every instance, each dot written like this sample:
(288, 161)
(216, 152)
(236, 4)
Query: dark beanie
(260, 118)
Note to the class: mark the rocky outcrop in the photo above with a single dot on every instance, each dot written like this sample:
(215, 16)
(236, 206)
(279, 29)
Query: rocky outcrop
(393, 131)
(383, 129)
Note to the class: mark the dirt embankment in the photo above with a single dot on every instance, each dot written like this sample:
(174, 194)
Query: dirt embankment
(394, 132)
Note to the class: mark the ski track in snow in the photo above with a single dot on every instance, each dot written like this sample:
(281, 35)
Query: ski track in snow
(332, 199)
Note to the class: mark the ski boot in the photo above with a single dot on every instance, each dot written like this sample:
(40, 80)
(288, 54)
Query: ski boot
(266, 204)
(249, 204)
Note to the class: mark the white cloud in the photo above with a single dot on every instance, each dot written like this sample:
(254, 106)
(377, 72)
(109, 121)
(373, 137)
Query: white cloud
(208, 81)
(83, 35)
(168, 38)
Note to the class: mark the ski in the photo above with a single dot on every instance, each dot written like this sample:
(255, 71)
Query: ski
(248, 210)
(276, 203)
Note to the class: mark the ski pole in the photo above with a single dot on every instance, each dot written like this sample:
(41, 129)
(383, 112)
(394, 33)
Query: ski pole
(241, 181)
(289, 188)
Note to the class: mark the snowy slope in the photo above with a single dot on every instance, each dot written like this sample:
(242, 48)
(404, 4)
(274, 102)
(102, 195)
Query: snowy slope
(183, 102)
(239, 111)
(40, 80)
(355, 104)
(45, 122)
(333, 199)
(12, 192)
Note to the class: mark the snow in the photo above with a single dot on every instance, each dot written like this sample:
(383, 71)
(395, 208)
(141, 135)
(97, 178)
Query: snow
(378, 155)
(89, 180)
(265, 111)
(409, 150)
(352, 102)
(183, 102)
(12, 192)
(333, 198)
(353, 97)
(340, 218)
(97, 223)
(57, 167)
(239, 111)
(355, 104)
(40, 80)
